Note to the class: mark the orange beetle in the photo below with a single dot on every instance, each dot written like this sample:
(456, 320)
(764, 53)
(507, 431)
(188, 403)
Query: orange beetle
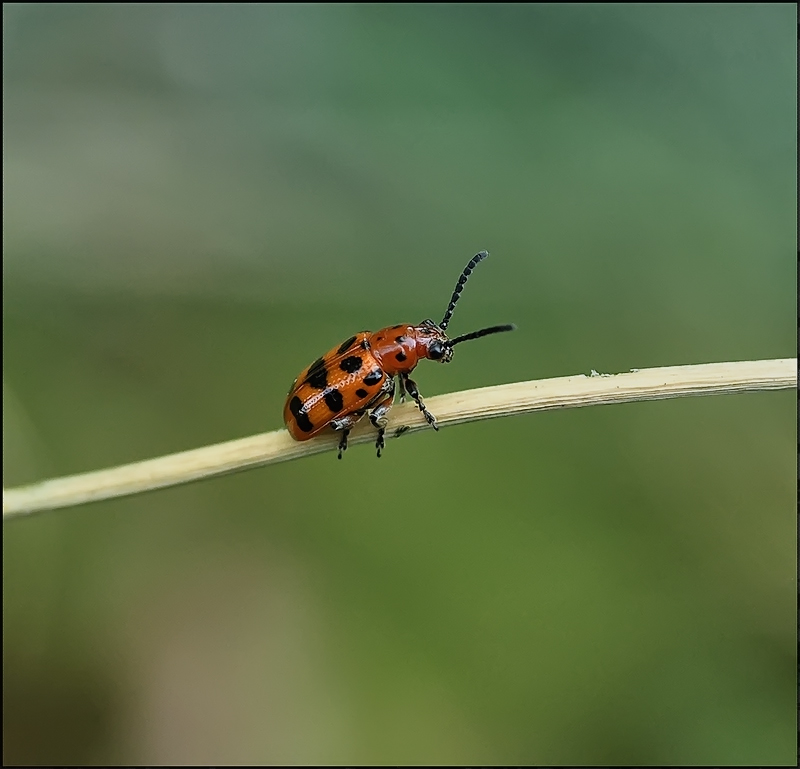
(358, 376)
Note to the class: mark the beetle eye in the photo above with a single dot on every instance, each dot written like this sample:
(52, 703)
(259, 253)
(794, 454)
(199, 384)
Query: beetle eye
(435, 350)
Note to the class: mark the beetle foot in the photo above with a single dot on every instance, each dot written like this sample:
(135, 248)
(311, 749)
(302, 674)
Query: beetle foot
(343, 442)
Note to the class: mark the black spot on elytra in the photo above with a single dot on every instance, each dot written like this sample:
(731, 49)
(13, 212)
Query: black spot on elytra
(361, 393)
(318, 374)
(400, 339)
(303, 422)
(394, 327)
(401, 356)
(334, 400)
(373, 377)
(351, 364)
(346, 345)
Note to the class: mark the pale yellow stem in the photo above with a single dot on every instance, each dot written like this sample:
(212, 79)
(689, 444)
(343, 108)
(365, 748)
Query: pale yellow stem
(450, 409)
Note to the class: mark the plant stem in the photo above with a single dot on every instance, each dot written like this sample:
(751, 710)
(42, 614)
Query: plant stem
(450, 409)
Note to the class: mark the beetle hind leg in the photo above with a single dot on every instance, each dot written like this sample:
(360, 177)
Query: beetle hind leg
(379, 422)
(343, 442)
(343, 425)
(379, 419)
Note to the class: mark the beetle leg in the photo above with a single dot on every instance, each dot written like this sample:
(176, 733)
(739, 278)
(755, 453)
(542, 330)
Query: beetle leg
(402, 390)
(343, 442)
(413, 391)
(343, 425)
(379, 419)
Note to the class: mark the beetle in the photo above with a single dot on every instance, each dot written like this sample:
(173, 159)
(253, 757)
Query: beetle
(358, 376)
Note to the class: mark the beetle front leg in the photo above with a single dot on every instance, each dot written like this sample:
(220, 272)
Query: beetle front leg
(413, 391)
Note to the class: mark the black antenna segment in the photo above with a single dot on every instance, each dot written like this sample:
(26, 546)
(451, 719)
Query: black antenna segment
(479, 257)
(482, 332)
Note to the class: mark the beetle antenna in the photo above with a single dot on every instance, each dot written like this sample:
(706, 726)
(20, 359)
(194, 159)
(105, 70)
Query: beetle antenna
(479, 257)
(479, 334)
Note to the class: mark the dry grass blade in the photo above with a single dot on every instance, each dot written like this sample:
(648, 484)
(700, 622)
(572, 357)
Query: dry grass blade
(450, 409)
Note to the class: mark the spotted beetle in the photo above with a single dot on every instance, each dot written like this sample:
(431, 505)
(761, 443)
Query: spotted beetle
(358, 376)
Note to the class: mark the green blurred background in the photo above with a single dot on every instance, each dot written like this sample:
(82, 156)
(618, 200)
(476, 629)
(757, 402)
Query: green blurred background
(201, 200)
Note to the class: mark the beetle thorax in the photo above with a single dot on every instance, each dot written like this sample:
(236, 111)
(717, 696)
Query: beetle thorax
(395, 349)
